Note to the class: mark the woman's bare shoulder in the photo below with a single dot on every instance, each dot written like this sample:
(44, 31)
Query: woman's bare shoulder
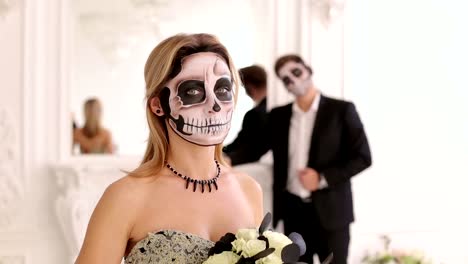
(247, 182)
(130, 187)
(78, 131)
(253, 191)
(106, 132)
(126, 194)
(112, 221)
(126, 197)
(119, 194)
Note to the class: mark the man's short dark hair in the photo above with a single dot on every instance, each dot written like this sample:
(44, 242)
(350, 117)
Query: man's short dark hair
(253, 77)
(290, 57)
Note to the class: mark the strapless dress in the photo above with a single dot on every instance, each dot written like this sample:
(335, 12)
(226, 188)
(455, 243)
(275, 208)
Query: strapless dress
(170, 246)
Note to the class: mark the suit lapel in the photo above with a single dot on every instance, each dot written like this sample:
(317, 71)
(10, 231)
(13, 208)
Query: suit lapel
(320, 119)
(283, 145)
(285, 127)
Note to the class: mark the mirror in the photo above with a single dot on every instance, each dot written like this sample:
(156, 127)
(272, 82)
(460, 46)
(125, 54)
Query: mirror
(110, 42)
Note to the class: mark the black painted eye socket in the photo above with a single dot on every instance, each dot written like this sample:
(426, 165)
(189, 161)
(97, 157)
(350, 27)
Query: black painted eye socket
(297, 72)
(223, 89)
(192, 92)
(287, 81)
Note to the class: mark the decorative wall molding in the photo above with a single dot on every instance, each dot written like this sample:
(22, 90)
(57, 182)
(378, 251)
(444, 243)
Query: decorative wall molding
(81, 184)
(11, 186)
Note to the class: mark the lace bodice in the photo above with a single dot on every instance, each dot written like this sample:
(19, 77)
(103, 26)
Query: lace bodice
(170, 246)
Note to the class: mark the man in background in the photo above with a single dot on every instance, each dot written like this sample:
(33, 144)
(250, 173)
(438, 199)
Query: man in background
(318, 144)
(254, 79)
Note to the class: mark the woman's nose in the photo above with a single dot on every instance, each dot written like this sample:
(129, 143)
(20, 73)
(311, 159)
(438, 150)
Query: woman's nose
(216, 107)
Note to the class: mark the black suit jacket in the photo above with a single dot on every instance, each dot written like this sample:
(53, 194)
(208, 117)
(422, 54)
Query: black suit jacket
(339, 150)
(253, 126)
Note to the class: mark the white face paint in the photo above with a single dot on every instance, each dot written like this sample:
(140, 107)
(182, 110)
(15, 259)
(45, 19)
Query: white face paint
(296, 77)
(201, 99)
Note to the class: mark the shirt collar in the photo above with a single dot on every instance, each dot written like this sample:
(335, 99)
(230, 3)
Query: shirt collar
(313, 107)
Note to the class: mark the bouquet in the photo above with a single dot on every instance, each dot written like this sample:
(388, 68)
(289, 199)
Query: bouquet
(257, 246)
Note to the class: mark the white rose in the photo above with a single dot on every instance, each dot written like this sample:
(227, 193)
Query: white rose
(238, 245)
(270, 259)
(247, 234)
(253, 247)
(277, 241)
(226, 257)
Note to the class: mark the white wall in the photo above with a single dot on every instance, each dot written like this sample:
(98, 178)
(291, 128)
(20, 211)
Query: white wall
(28, 96)
(404, 70)
(12, 189)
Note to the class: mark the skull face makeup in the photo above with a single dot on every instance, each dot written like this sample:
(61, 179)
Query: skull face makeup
(295, 77)
(198, 101)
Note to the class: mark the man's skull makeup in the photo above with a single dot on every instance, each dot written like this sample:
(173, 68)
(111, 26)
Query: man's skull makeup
(295, 77)
(198, 102)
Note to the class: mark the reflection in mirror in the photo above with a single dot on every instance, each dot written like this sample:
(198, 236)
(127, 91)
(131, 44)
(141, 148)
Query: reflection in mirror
(92, 137)
(109, 50)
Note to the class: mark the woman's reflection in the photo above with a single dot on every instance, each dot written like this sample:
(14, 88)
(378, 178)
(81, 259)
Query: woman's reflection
(92, 138)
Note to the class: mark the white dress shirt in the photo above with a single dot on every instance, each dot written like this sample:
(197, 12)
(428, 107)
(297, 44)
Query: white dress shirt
(300, 136)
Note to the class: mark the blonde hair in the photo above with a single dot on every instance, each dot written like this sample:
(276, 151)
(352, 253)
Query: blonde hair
(92, 113)
(163, 64)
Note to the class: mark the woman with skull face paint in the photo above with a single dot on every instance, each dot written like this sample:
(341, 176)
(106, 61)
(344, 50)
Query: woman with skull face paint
(182, 196)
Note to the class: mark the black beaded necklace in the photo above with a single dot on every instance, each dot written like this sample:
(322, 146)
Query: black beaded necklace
(195, 182)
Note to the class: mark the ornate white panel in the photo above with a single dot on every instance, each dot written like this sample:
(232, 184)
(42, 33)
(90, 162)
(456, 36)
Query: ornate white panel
(11, 184)
(81, 184)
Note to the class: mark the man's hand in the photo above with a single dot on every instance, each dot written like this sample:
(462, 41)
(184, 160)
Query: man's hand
(310, 179)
